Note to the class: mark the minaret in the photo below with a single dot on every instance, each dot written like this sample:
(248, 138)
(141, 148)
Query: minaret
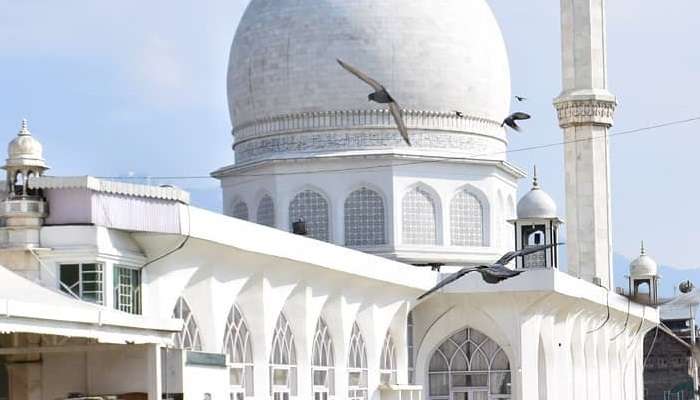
(585, 109)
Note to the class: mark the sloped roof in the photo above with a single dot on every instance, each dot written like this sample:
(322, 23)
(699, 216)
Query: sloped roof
(112, 187)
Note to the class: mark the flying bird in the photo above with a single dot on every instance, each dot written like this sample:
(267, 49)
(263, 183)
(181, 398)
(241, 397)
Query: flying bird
(459, 114)
(520, 98)
(510, 120)
(494, 273)
(382, 96)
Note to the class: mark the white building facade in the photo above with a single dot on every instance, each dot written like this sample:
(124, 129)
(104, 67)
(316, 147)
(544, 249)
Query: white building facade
(115, 289)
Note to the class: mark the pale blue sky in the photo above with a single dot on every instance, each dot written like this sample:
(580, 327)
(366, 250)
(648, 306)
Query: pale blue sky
(113, 87)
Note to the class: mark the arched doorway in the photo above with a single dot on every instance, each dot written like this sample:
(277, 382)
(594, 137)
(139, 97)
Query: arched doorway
(469, 366)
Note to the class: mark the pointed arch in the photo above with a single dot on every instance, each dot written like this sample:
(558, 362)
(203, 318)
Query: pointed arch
(357, 365)
(188, 338)
(311, 207)
(364, 218)
(265, 214)
(467, 219)
(239, 351)
(239, 210)
(419, 217)
(387, 366)
(283, 361)
(466, 359)
(322, 362)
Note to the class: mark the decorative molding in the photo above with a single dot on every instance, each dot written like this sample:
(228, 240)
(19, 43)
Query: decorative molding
(585, 112)
(363, 119)
(312, 143)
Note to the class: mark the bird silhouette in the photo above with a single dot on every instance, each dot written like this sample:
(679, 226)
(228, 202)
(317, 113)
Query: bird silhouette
(517, 116)
(459, 114)
(494, 273)
(520, 98)
(382, 96)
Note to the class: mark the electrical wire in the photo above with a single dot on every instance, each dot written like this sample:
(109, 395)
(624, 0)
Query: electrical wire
(651, 348)
(627, 319)
(442, 159)
(607, 307)
(179, 246)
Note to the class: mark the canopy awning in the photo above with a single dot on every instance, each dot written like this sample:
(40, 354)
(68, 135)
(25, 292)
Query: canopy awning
(26, 307)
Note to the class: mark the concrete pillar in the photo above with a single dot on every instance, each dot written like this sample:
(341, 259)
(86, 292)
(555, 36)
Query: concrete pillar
(585, 109)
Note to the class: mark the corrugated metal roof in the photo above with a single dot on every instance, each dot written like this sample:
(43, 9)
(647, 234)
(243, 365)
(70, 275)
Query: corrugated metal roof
(681, 307)
(113, 187)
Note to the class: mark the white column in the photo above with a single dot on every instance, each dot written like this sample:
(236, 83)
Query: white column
(585, 109)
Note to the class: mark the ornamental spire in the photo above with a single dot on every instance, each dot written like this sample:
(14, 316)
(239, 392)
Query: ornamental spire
(24, 128)
(643, 250)
(535, 183)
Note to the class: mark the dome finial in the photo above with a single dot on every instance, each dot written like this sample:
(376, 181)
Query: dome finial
(643, 250)
(535, 183)
(24, 128)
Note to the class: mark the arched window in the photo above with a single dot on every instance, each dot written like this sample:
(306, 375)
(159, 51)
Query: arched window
(266, 212)
(419, 218)
(469, 361)
(188, 338)
(364, 218)
(239, 353)
(283, 362)
(240, 210)
(357, 366)
(466, 220)
(312, 208)
(387, 367)
(322, 363)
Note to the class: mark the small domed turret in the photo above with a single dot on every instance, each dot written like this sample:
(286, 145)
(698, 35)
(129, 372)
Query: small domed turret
(644, 266)
(537, 203)
(644, 273)
(25, 150)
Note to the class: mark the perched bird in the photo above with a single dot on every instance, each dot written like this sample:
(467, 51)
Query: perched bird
(459, 114)
(382, 96)
(520, 98)
(494, 273)
(510, 120)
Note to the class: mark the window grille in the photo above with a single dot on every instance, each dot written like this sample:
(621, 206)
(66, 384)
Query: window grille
(188, 338)
(84, 281)
(283, 362)
(127, 289)
(410, 345)
(322, 363)
(266, 212)
(364, 219)
(387, 368)
(239, 351)
(240, 210)
(312, 208)
(469, 360)
(466, 220)
(357, 366)
(419, 218)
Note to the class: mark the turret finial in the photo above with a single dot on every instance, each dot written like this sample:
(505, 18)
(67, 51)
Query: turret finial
(535, 183)
(24, 128)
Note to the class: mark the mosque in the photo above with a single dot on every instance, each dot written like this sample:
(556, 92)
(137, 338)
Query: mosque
(307, 287)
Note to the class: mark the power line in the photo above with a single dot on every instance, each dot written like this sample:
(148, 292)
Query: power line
(442, 159)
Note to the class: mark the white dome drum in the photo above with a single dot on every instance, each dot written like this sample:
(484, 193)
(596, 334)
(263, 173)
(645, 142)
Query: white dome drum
(288, 96)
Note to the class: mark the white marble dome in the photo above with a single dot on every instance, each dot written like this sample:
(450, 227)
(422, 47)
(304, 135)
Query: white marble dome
(643, 266)
(25, 150)
(287, 94)
(537, 204)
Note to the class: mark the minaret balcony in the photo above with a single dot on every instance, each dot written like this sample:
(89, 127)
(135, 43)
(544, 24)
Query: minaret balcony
(25, 207)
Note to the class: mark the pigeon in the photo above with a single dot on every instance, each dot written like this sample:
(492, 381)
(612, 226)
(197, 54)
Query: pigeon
(510, 120)
(382, 96)
(520, 98)
(494, 273)
(459, 114)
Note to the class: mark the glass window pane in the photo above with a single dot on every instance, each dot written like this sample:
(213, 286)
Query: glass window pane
(364, 218)
(279, 377)
(354, 378)
(500, 383)
(466, 220)
(236, 376)
(312, 208)
(320, 378)
(439, 385)
(69, 277)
